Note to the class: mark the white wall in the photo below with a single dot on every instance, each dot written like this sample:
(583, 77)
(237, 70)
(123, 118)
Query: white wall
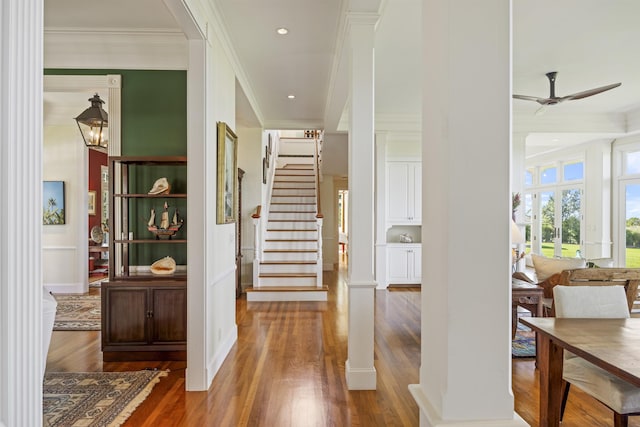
(334, 154)
(220, 323)
(250, 151)
(63, 246)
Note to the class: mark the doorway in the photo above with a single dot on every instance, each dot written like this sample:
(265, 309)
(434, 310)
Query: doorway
(343, 222)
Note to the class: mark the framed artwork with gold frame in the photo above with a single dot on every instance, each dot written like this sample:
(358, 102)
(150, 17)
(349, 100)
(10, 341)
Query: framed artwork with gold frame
(227, 185)
(92, 203)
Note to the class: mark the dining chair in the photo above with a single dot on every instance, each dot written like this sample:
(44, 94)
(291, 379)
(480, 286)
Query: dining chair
(627, 277)
(596, 302)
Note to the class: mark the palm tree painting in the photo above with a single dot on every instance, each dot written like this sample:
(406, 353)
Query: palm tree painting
(53, 203)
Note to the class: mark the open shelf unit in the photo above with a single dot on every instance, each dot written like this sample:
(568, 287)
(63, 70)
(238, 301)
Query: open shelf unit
(144, 314)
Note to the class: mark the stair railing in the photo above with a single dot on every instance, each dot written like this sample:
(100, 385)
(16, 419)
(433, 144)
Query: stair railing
(319, 216)
(257, 255)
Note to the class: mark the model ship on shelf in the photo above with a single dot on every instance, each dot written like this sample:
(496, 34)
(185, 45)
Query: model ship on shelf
(166, 229)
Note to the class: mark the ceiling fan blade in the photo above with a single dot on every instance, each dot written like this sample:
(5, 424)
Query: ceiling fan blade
(590, 92)
(540, 111)
(541, 101)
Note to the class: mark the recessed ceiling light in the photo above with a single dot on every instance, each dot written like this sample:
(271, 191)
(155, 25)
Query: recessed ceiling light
(291, 96)
(282, 31)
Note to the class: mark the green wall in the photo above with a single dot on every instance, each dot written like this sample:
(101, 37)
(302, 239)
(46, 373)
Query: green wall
(154, 123)
(154, 110)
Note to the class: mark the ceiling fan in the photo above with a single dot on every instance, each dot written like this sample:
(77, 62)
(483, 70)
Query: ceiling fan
(553, 99)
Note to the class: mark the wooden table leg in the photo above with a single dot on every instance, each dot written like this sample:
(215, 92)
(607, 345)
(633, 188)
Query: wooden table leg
(550, 366)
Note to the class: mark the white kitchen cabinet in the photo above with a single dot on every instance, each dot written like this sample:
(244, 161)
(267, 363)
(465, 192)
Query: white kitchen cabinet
(404, 193)
(404, 263)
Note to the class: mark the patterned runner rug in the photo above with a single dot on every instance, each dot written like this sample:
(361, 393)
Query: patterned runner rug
(524, 344)
(77, 313)
(94, 398)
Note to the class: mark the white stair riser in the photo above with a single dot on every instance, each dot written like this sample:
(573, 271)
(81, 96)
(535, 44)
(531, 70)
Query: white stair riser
(294, 178)
(291, 235)
(289, 225)
(294, 199)
(286, 245)
(288, 268)
(291, 207)
(293, 215)
(289, 256)
(295, 182)
(306, 170)
(287, 281)
(304, 192)
(278, 185)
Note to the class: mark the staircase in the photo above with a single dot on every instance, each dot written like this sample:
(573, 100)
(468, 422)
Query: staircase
(289, 266)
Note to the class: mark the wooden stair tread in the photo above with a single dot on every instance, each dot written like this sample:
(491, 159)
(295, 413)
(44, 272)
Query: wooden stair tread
(292, 220)
(297, 212)
(294, 230)
(290, 203)
(305, 275)
(293, 195)
(291, 250)
(291, 240)
(287, 262)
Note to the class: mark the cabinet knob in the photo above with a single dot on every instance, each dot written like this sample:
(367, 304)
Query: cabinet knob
(149, 314)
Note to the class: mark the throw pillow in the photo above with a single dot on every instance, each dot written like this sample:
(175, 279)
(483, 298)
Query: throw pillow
(546, 267)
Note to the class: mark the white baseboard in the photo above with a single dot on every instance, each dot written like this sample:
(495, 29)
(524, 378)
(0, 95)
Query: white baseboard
(430, 418)
(67, 288)
(360, 379)
(225, 347)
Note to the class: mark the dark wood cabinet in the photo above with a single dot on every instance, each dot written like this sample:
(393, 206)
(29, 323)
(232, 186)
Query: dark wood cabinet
(144, 315)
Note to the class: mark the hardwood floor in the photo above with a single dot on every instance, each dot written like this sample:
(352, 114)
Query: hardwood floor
(287, 369)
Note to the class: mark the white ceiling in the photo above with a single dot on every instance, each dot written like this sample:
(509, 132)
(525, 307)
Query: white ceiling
(590, 43)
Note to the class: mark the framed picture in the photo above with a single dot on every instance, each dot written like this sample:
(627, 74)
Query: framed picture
(92, 202)
(266, 158)
(227, 174)
(264, 170)
(53, 203)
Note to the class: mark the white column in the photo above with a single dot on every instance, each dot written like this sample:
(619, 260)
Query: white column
(21, 291)
(197, 375)
(381, 207)
(360, 372)
(466, 216)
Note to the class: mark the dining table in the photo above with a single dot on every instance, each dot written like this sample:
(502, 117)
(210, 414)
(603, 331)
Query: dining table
(611, 344)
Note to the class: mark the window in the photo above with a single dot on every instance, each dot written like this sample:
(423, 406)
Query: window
(632, 163)
(553, 206)
(573, 171)
(548, 175)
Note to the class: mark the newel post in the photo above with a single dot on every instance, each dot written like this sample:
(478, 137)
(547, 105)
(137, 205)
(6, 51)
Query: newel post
(257, 254)
(319, 260)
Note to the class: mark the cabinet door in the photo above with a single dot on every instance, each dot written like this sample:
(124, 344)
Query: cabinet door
(125, 312)
(398, 265)
(416, 194)
(398, 192)
(169, 315)
(417, 265)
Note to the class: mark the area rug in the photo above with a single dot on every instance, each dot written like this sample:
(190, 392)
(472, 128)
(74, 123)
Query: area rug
(524, 344)
(77, 313)
(74, 399)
